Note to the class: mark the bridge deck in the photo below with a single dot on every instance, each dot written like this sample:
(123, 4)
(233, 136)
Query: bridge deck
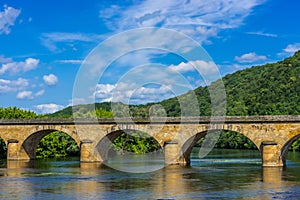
(166, 120)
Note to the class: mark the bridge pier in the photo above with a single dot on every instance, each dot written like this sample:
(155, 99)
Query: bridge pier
(15, 151)
(173, 154)
(12, 149)
(271, 154)
(87, 152)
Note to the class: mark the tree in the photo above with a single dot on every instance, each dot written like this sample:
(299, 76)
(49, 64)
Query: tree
(57, 144)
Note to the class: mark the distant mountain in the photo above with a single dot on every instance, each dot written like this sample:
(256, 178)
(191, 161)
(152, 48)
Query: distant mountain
(270, 89)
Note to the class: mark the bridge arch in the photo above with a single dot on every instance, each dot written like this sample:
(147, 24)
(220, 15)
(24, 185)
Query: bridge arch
(31, 142)
(3, 148)
(189, 144)
(104, 145)
(286, 146)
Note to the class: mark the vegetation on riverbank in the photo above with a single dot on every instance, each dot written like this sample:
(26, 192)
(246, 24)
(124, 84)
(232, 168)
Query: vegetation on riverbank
(57, 144)
(137, 142)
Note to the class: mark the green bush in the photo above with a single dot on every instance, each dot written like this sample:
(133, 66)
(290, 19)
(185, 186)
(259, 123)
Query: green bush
(57, 144)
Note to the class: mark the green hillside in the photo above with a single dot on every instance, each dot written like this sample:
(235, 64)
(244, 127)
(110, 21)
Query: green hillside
(270, 89)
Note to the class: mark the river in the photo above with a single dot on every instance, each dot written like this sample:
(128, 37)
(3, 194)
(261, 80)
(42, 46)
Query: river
(223, 174)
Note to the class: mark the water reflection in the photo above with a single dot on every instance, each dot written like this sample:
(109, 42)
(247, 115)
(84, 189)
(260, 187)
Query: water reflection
(88, 168)
(82, 184)
(14, 183)
(15, 168)
(170, 183)
(211, 178)
(137, 163)
(87, 185)
(272, 176)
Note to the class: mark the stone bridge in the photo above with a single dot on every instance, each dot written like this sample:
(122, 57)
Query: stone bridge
(272, 135)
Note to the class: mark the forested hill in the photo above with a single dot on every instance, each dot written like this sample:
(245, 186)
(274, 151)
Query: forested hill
(270, 89)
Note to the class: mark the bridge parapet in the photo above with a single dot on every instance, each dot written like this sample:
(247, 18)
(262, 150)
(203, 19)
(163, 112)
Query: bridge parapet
(157, 120)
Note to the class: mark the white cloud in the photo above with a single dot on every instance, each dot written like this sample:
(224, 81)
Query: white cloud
(64, 36)
(29, 94)
(231, 68)
(8, 18)
(30, 64)
(261, 33)
(70, 61)
(50, 79)
(13, 85)
(50, 40)
(292, 48)
(40, 93)
(48, 108)
(151, 94)
(132, 93)
(25, 95)
(21, 86)
(4, 59)
(249, 58)
(129, 83)
(137, 58)
(197, 18)
(104, 91)
(77, 101)
(205, 68)
(15, 67)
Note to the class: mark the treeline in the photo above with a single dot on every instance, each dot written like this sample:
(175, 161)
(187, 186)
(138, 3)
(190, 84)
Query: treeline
(17, 113)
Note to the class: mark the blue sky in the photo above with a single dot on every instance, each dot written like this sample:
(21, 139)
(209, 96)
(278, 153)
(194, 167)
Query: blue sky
(43, 45)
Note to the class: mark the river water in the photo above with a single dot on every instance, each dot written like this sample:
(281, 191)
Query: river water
(223, 174)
